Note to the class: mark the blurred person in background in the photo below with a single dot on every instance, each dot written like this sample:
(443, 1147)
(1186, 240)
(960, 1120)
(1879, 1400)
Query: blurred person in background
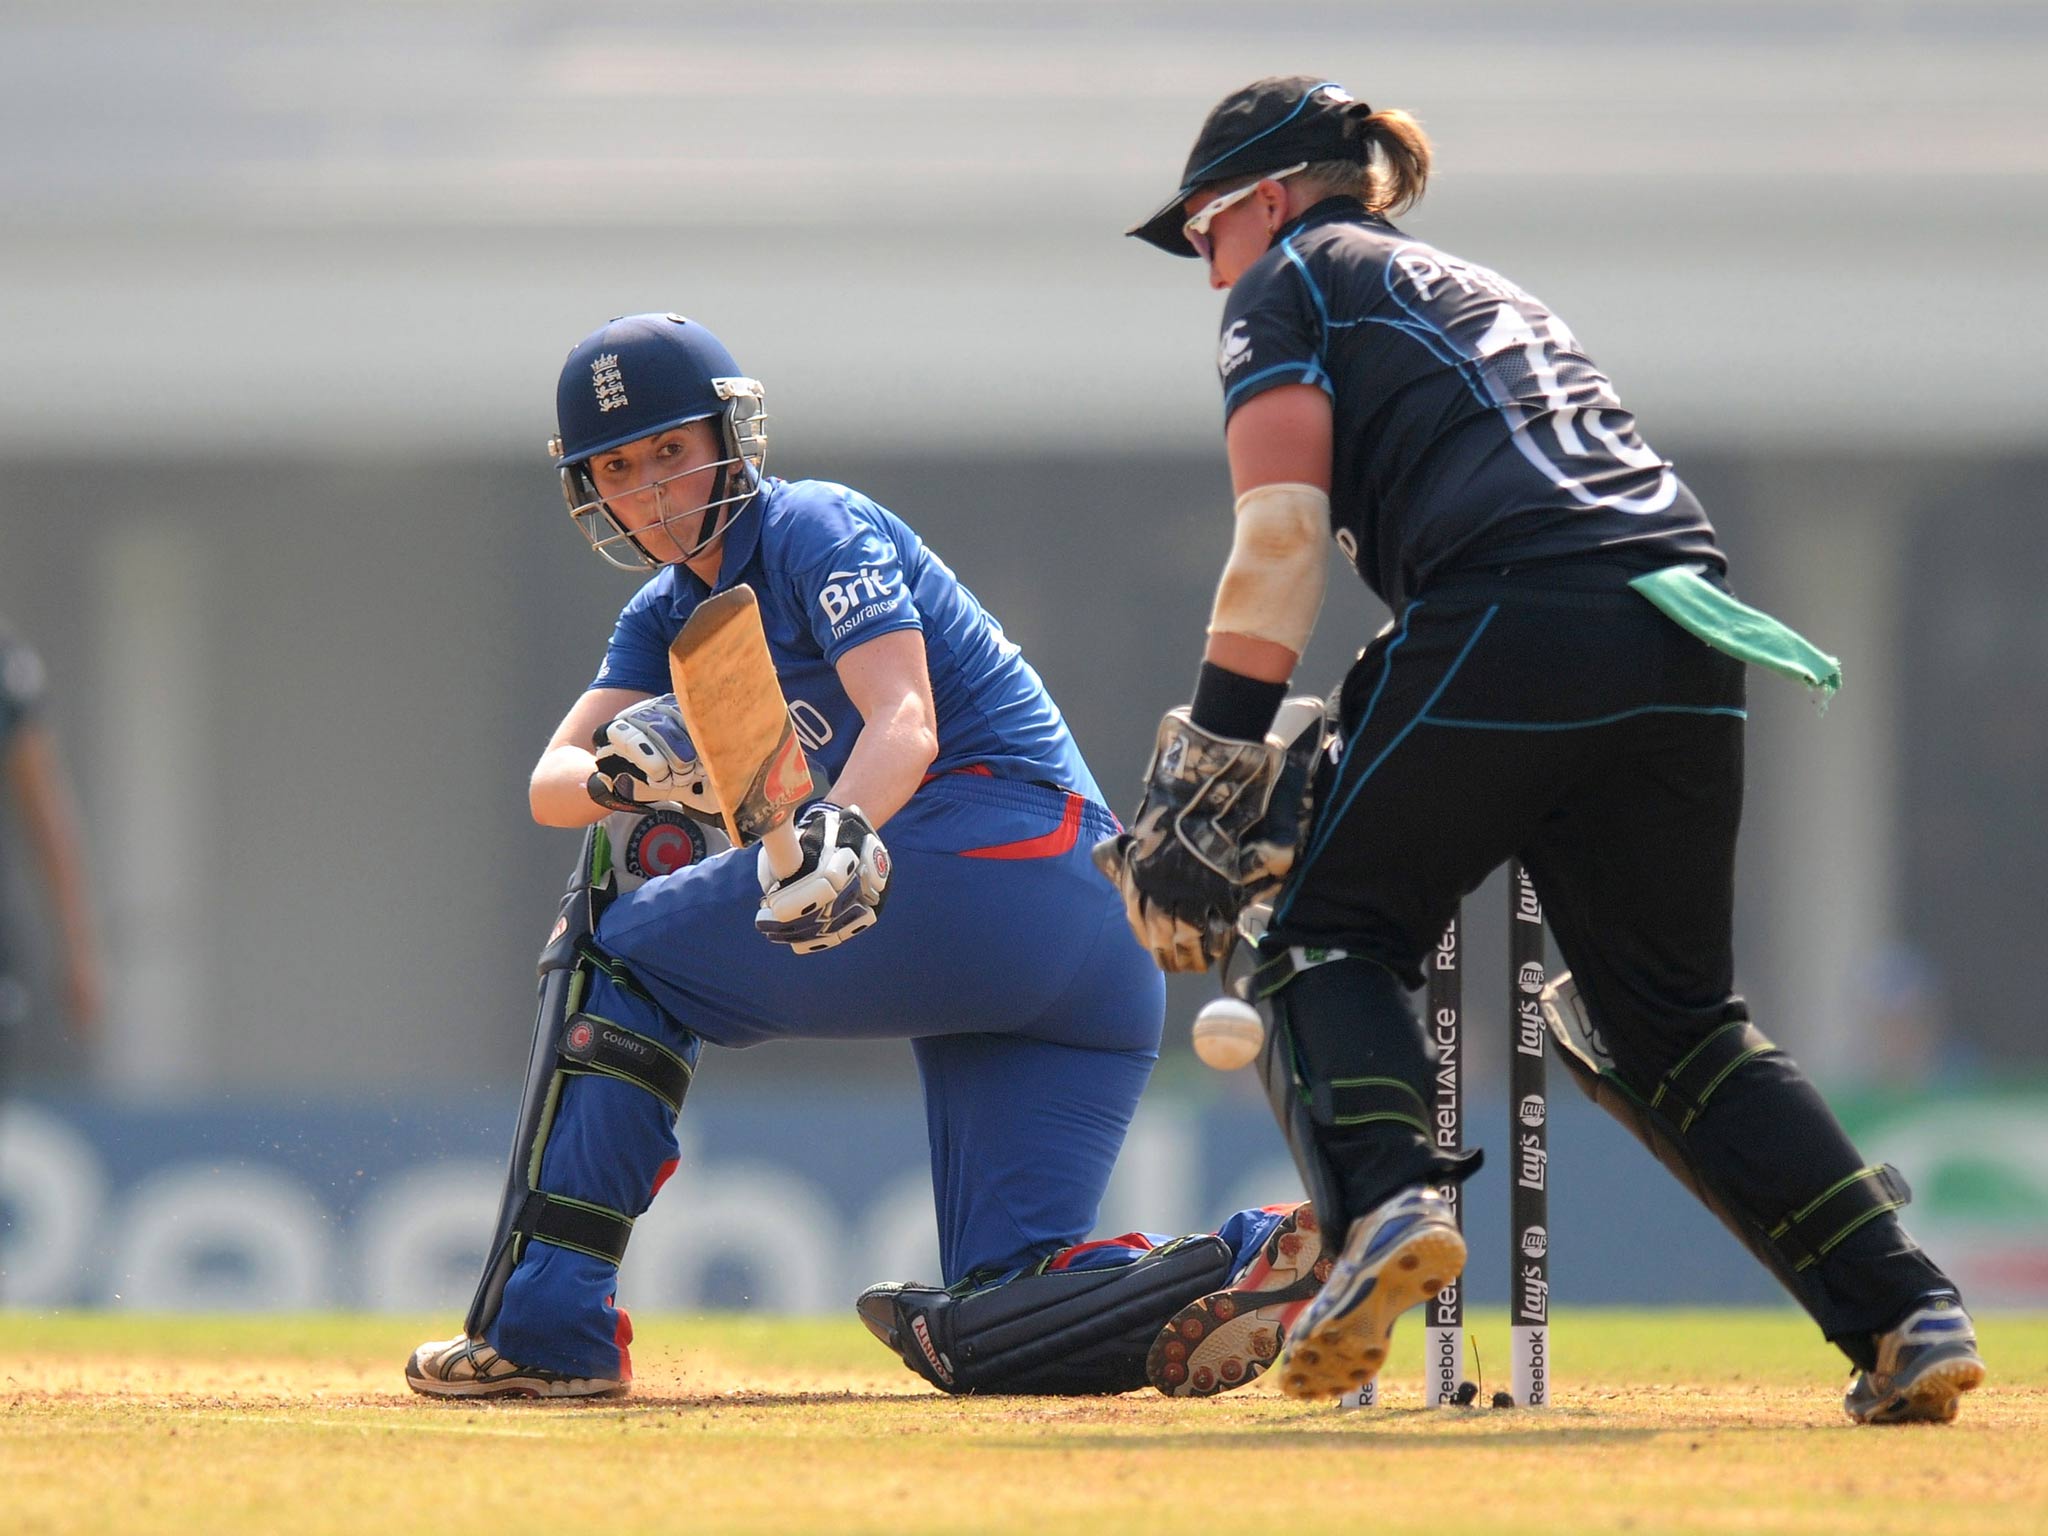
(40, 799)
(1563, 684)
(979, 932)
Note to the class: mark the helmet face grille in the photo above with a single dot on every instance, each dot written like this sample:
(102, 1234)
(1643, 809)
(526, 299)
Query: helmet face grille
(638, 376)
(743, 432)
(746, 421)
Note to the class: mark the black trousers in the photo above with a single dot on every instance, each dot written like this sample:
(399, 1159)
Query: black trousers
(1553, 715)
(1558, 718)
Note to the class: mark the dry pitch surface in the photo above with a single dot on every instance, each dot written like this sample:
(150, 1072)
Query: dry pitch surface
(1664, 1422)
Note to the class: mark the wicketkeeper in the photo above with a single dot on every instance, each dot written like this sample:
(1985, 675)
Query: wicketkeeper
(980, 932)
(1563, 684)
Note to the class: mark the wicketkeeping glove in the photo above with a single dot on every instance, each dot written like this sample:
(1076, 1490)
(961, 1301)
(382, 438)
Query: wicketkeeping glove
(836, 892)
(1220, 827)
(644, 757)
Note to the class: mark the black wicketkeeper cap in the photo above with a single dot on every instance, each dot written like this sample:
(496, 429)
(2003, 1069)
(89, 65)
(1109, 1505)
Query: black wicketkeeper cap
(1270, 124)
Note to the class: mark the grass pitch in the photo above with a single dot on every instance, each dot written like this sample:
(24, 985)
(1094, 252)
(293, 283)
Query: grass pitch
(1664, 1422)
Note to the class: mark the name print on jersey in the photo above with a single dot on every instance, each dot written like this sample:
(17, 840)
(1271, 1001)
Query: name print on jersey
(1564, 415)
(812, 729)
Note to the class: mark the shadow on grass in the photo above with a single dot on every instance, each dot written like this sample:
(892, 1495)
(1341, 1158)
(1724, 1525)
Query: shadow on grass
(1129, 1423)
(683, 1402)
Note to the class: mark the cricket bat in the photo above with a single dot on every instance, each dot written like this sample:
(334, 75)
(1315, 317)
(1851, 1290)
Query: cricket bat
(739, 723)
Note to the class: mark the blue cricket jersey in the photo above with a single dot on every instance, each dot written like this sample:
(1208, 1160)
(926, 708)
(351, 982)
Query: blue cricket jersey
(833, 569)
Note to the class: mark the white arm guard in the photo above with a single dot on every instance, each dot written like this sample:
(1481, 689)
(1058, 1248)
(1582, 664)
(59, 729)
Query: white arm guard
(1272, 586)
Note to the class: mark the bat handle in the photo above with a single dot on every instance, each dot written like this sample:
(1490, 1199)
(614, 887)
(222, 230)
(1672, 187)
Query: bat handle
(785, 854)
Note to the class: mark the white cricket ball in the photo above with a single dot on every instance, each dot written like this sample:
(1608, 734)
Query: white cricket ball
(1228, 1034)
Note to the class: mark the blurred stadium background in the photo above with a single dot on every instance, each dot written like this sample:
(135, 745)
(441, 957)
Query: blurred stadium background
(284, 290)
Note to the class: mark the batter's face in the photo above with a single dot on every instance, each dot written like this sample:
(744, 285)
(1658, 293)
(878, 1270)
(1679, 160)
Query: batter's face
(1241, 233)
(658, 486)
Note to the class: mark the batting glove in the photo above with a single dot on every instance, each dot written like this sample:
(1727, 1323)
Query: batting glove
(644, 757)
(836, 892)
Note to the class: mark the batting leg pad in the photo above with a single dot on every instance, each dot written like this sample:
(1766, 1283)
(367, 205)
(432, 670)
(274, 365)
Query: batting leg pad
(568, 1041)
(1067, 1333)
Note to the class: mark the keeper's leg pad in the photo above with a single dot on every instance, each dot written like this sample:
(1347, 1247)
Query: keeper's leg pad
(567, 1041)
(1062, 1332)
(1341, 1064)
(1818, 1206)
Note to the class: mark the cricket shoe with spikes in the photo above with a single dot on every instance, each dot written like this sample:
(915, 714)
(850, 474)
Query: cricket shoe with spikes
(1395, 1257)
(1229, 1337)
(1924, 1366)
(466, 1367)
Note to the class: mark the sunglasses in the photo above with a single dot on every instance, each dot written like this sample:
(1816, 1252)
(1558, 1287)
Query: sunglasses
(1197, 227)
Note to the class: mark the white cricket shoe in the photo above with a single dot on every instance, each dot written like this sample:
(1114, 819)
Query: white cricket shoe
(1229, 1337)
(1394, 1257)
(1924, 1366)
(466, 1367)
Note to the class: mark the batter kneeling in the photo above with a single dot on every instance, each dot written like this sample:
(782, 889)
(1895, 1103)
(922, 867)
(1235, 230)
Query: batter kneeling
(945, 897)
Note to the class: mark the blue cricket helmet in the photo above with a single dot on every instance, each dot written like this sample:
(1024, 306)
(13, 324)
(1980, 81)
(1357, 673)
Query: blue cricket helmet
(642, 374)
(635, 376)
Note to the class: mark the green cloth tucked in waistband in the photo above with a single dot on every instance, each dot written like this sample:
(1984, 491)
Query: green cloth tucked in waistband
(1695, 604)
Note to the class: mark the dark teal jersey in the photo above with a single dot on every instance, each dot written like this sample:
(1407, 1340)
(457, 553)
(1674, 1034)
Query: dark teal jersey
(1472, 431)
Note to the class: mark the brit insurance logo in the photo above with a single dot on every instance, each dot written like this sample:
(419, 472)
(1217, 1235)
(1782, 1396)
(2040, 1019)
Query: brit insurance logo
(850, 598)
(609, 383)
(1234, 349)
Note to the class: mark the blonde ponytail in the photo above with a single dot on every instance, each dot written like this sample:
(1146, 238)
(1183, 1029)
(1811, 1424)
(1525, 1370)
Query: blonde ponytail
(1389, 167)
(1397, 174)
